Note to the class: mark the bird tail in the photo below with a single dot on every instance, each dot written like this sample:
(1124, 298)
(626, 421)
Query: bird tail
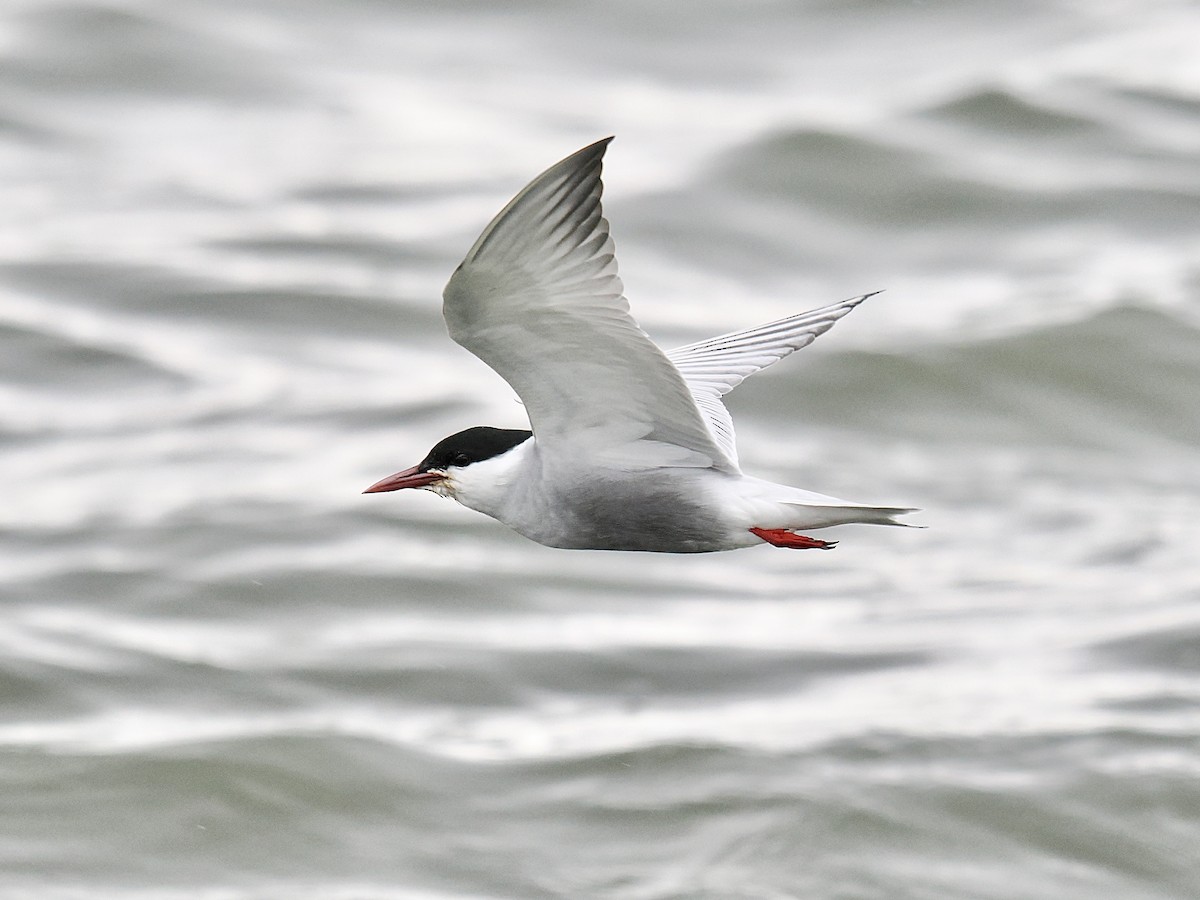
(850, 513)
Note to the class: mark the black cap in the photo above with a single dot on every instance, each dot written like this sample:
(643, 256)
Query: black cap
(472, 446)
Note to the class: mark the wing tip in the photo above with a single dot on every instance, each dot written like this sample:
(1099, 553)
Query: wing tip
(837, 310)
(581, 168)
(854, 301)
(593, 151)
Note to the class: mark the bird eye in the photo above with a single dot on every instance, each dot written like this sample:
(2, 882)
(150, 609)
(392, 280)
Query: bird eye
(460, 459)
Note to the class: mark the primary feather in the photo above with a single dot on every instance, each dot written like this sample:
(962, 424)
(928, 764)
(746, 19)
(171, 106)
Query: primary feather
(714, 367)
(539, 300)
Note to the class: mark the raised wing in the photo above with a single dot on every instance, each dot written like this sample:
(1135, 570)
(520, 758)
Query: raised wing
(714, 367)
(538, 299)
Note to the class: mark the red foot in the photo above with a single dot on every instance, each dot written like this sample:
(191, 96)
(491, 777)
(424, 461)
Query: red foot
(781, 537)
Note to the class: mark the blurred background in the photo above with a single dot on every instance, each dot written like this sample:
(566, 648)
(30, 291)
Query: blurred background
(225, 673)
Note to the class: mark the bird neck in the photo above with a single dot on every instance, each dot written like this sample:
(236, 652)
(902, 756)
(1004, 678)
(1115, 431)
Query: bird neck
(487, 486)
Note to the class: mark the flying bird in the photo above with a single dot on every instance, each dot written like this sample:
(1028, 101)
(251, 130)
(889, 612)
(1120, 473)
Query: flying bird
(631, 448)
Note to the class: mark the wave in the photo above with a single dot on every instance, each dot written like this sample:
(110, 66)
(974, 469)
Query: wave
(1124, 376)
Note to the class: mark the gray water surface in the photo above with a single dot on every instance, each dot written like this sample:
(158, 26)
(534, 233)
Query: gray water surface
(226, 674)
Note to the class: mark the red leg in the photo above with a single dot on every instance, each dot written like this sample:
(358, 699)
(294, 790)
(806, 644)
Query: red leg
(781, 537)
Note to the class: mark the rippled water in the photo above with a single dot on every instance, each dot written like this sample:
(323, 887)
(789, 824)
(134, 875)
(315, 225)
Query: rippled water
(225, 673)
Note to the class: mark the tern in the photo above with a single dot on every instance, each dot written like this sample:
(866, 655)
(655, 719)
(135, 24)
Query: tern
(631, 448)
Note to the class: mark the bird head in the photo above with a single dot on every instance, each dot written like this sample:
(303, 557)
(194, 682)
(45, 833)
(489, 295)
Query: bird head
(436, 472)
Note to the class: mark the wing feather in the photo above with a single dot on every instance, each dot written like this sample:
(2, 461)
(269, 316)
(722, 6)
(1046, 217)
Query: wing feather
(714, 367)
(539, 300)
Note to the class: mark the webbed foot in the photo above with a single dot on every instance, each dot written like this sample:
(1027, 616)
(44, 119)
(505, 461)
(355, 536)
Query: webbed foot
(781, 537)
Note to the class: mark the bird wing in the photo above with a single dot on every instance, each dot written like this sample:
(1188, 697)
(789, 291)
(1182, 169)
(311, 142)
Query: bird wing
(714, 367)
(538, 299)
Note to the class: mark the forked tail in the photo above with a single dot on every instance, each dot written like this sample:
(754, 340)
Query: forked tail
(824, 516)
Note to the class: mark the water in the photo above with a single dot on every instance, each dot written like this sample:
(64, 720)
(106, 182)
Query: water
(225, 673)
